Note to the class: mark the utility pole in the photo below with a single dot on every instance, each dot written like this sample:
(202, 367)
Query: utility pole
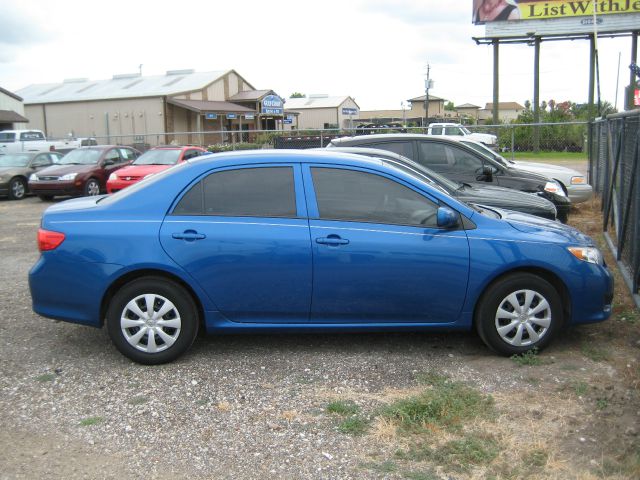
(428, 83)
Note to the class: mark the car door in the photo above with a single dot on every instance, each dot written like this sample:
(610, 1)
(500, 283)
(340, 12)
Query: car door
(378, 255)
(456, 163)
(243, 235)
(111, 161)
(41, 161)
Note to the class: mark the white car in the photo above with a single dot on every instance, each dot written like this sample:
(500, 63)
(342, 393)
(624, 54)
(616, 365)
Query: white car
(459, 131)
(574, 183)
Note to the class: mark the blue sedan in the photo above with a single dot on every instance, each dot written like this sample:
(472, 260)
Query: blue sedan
(308, 242)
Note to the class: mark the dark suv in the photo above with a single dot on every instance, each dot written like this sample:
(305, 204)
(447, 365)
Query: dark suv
(83, 171)
(462, 163)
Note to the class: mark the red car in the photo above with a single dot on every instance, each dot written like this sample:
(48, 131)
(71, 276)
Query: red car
(83, 171)
(150, 162)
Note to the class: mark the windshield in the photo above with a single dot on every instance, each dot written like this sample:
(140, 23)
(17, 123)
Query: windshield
(466, 130)
(81, 156)
(487, 152)
(14, 160)
(162, 156)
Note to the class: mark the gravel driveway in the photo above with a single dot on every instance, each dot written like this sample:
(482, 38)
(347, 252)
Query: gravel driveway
(233, 407)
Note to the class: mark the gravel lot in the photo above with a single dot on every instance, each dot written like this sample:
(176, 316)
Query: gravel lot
(255, 406)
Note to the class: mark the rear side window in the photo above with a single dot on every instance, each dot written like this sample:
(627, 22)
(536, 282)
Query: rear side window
(356, 196)
(436, 131)
(402, 148)
(244, 192)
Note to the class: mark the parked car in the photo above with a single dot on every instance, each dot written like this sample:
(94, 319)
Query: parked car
(487, 195)
(150, 163)
(312, 242)
(16, 168)
(83, 171)
(458, 130)
(463, 164)
(572, 181)
(17, 141)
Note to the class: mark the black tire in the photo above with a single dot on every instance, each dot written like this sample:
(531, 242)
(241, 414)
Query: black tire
(17, 188)
(184, 313)
(487, 321)
(45, 198)
(91, 188)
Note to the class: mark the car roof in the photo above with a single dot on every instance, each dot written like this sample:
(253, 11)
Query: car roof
(176, 147)
(389, 136)
(287, 156)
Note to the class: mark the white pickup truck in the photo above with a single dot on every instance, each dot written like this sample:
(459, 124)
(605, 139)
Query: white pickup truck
(455, 129)
(17, 141)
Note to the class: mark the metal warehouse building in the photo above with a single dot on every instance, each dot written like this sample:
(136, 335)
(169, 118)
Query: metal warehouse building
(131, 108)
(11, 111)
(323, 111)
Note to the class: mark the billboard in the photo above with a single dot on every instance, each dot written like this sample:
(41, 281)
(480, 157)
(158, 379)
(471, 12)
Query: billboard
(486, 11)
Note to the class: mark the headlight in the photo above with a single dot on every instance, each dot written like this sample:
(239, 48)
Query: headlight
(33, 177)
(69, 176)
(578, 180)
(554, 187)
(113, 176)
(587, 254)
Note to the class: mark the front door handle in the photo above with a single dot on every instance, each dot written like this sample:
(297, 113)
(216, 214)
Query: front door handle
(332, 240)
(188, 235)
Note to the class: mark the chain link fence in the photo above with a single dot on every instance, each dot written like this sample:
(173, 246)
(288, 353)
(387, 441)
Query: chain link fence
(614, 172)
(511, 138)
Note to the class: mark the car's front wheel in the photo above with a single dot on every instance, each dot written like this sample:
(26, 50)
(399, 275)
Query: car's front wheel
(518, 313)
(17, 188)
(152, 320)
(92, 188)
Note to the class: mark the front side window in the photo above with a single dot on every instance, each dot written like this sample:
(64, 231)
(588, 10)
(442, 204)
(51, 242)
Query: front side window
(41, 160)
(127, 154)
(464, 161)
(243, 192)
(112, 157)
(358, 196)
(453, 131)
(433, 153)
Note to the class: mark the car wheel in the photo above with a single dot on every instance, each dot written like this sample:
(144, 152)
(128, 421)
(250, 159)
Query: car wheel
(518, 313)
(17, 188)
(152, 320)
(91, 188)
(45, 198)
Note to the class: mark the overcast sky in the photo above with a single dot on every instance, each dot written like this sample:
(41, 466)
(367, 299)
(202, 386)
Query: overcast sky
(376, 50)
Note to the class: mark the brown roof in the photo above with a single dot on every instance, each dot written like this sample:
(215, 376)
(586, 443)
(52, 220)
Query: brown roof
(250, 95)
(209, 106)
(505, 106)
(467, 105)
(432, 98)
(9, 116)
(10, 94)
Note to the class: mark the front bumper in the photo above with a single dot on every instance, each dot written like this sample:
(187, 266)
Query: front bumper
(579, 193)
(55, 188)
(117, 185)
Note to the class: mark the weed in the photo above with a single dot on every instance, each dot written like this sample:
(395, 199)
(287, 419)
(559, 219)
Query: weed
(602, 403)
(428, 475)
(446, 406)
(594, 353)
(343, 407)
(580, 388)
(139, 400)
(86, 422)
(354, 426)
(387, 466)
(629, 316)
(46, 377)
(529, 357)
(536, 459)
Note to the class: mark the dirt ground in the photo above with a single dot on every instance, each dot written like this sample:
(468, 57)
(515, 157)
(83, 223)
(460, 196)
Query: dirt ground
(301, 406)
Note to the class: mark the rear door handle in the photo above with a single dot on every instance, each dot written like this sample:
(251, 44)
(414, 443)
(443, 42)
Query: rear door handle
(332, 240)
(188, 235)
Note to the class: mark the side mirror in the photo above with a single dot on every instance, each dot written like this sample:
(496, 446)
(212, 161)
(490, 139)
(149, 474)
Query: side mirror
(108, 163)
(447, 218)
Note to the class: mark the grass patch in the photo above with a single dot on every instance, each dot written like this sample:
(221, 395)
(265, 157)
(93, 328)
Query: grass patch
(529, 358)
(47, 377)
(602, 403)
(580, 388)
(87, 422)
(536, 459)
(459, 455)
(594, 353)
(447, 405)
(354, 426)
(431, 378)
(139, 400)
(631, 317)
(343, 407)
(387, 466)
(428, 475)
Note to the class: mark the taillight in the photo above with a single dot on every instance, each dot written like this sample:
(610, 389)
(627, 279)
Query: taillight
(48, 240)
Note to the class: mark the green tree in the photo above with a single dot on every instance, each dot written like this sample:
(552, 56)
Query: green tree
(297, 95)
(449, 106)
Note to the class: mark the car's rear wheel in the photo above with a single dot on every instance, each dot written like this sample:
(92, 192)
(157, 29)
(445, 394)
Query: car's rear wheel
(152, 320)
(92, 188)
(17, 188)
(518, 313)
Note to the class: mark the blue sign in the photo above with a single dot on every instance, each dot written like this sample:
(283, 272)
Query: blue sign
(210, 116)
(249, 116)
(349, 111)
(231, 116)
(288, 121)
(272, 105)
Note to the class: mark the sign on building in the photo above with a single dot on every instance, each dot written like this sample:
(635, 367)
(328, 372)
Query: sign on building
(349, 111)
(210, 116)
(272, 105)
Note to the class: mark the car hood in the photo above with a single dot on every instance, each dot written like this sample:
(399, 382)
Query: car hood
(141, 170)
(545, 228)
(58, 170)
(505, 198)
(543, 167)
(15, 171)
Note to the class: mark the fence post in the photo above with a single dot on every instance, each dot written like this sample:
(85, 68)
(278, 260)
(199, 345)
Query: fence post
(321, 140)
(513, 143)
